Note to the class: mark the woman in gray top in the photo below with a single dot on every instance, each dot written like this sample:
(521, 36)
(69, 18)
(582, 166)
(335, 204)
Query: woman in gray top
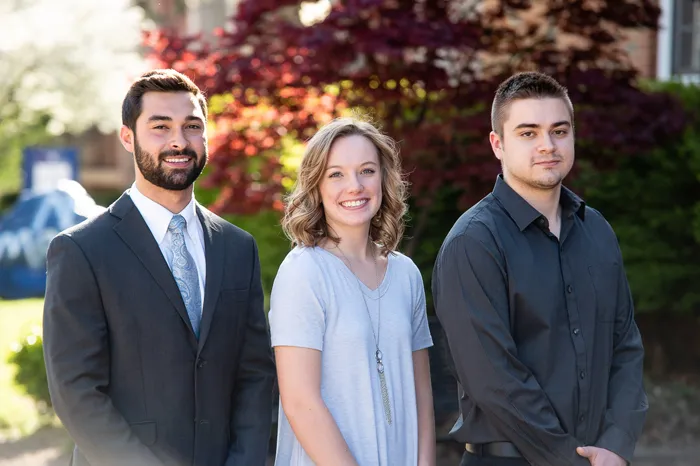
(347, 314)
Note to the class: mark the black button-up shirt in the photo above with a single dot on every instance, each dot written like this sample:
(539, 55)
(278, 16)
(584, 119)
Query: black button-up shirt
(541, 330)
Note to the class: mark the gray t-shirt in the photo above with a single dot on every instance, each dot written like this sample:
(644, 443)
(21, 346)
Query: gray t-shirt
(316, 303)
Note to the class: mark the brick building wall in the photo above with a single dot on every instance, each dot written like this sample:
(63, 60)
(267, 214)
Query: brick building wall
(641, 47)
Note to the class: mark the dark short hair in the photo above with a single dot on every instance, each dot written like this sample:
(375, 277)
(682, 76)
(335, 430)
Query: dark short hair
(526, 85)
(163, 80)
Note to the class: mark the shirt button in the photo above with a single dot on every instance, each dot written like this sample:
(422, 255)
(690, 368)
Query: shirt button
(569, 289)
(582, 418)
(576, 331)
(583, 374)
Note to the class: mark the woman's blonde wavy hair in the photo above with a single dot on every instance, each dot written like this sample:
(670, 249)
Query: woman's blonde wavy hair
(304, 220)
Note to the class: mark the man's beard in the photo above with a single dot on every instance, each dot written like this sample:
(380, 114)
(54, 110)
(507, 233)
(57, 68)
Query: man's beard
(169, 178)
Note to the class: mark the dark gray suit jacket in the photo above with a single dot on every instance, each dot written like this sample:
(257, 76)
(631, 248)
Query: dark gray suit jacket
(127, 376)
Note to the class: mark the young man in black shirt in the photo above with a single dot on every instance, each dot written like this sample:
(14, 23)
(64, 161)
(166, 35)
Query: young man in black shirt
(530, 289)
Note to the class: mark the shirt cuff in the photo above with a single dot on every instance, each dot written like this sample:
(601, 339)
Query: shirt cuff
(617, 441)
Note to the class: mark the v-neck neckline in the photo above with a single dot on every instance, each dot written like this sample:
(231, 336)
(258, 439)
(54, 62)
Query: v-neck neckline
(369, 292)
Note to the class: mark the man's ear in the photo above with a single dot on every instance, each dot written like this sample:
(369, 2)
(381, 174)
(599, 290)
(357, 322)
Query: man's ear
(496, 145)
(126, 136)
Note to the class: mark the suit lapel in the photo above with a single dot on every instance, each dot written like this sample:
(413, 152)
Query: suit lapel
(132, 229)
(214, 252)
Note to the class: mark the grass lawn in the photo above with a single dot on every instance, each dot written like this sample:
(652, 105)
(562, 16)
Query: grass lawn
(18, 415)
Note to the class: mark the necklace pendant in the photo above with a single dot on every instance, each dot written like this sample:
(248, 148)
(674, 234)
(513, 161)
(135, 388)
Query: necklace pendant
(382, 384)
(380, 364)
(385, 395)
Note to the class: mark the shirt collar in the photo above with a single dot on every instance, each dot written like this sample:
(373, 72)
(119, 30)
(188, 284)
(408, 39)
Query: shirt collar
(523, 214)
(158, 217)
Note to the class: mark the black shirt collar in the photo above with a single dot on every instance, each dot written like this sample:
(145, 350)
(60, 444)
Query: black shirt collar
(523, 213)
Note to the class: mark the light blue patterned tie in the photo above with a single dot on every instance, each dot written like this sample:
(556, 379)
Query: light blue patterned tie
(185, 272)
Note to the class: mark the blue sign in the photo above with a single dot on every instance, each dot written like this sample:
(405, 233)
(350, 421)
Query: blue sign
(27, 229)
(44, 167)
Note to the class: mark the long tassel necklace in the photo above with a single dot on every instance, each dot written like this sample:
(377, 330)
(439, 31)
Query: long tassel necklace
(377, 352)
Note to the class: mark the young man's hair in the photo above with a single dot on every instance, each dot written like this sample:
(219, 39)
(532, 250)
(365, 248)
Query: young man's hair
(526, 85)
(164, 80)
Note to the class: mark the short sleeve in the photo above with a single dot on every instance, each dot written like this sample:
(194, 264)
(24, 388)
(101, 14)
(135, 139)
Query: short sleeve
(421, 332)
(297, 316)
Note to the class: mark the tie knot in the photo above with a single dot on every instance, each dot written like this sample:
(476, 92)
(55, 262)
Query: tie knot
(177, 224)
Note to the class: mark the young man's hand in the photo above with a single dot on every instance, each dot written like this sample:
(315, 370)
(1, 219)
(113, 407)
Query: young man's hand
(601, 456)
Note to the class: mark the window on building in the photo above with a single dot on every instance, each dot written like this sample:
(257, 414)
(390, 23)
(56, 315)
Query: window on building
(686, 40)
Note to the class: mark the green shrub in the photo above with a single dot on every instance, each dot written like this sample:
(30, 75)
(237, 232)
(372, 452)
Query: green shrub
(652, 200)
(28, 358)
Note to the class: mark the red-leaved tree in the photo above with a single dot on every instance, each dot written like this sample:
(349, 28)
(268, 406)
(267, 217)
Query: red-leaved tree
(426, 71)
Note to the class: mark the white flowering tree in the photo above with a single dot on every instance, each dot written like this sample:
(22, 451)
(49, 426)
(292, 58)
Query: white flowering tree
(64, 67)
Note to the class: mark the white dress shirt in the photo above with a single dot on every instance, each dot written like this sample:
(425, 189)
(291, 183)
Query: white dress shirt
(158, 218)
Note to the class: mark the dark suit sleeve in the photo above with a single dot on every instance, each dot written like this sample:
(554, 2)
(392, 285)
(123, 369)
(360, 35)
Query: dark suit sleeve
(627, 400)
(76, 351)
(251, 419)
(470, 292)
